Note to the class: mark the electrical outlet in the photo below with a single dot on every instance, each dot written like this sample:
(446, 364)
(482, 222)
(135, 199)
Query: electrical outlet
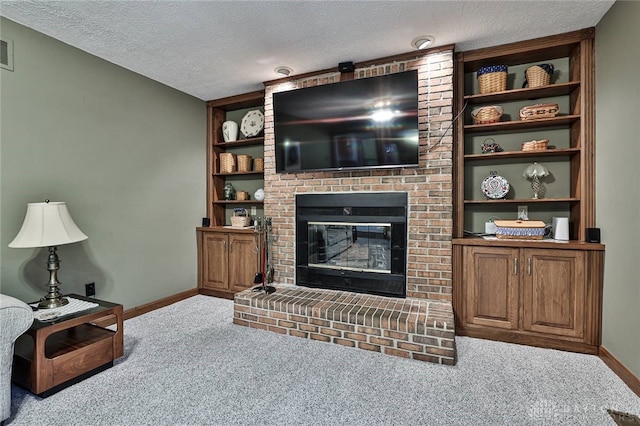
(90, 289)
(254, 211)
(523, 213)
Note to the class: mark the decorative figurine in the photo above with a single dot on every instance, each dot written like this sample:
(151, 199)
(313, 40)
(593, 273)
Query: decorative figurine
(229, 191)
(490, 145)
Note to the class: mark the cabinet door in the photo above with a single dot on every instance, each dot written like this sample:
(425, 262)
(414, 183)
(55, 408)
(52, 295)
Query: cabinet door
(214, 268)
(491, 285)
(243, 261)
(554, 292)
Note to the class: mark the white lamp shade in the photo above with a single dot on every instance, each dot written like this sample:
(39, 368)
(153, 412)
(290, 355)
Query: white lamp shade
(535, 169)
(47, 224)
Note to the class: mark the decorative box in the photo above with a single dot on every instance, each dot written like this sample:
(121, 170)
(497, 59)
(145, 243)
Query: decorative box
(520, 229)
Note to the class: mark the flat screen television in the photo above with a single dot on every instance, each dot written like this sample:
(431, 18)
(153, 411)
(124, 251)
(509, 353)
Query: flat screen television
(356, 124)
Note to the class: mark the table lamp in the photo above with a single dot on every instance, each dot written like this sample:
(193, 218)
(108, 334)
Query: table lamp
(48, 224)
(534, 172)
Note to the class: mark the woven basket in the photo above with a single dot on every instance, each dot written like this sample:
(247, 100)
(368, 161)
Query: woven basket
(240, 218)
(487, 114)
(520, 229)
(258, 164)
(535, 112)
(534, 145)
(492, 78)
(244, 163)
(242, 195)
(538, 75)
(227, 162)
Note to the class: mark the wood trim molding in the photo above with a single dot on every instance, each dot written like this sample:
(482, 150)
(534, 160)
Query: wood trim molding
(161, 303)
(621, 371)
(148, 307)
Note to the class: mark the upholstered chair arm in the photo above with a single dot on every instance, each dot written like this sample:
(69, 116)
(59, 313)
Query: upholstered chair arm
(15, 318)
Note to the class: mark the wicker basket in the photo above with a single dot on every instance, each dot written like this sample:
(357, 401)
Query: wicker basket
(538, 75)
(534, 145)
(244, 163)
(492, 78)
(258, 164)
(242, 195)
(487, 114)
(537, 111)
(240, 218)
(227, 162)
(520, 229)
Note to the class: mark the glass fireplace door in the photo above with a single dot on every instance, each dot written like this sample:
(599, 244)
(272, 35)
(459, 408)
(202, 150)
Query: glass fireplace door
(353, 246)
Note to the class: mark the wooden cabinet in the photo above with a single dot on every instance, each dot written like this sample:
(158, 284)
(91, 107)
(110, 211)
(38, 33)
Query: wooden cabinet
(227, 259)
(540, 293)
(492, 287)
(531, 293)
(233, 108)
(553, 291)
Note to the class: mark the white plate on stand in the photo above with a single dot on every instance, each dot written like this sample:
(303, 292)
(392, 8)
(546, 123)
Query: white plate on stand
(252, 123)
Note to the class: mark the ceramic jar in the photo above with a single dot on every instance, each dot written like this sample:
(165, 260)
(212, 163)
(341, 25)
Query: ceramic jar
(230, 131)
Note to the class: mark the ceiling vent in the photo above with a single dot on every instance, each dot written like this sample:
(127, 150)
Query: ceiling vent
(6, 54)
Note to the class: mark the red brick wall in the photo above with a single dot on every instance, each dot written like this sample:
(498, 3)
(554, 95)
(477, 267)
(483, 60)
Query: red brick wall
(429, 186)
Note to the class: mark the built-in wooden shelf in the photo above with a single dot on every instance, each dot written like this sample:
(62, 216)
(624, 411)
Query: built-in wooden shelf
(525, 200)
(558, 89)
(563, 120)
(239, 202)
(251, 172)
(241, 142)
(523, 154)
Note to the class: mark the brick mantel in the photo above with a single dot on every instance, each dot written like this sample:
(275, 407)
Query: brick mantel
(429, 186)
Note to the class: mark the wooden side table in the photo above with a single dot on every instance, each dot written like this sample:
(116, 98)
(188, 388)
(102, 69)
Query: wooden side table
(55, 354)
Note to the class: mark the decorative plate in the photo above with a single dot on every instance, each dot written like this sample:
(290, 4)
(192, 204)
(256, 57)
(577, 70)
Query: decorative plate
(494, 186)
(252, 123)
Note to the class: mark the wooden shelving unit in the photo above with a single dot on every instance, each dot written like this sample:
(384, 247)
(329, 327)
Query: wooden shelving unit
(540, 293)
(218, 111)
(228, 257)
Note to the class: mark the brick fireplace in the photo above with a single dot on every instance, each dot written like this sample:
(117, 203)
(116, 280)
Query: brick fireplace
(428, 226)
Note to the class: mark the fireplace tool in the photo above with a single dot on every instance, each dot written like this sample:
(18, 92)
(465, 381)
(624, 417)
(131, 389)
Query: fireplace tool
(261, 236)
(268, 237)
(257, 227)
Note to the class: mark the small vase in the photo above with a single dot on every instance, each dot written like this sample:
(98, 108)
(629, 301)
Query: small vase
(230, 131)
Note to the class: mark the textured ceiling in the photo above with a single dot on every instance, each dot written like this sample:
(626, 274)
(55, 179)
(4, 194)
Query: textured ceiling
(212, 49)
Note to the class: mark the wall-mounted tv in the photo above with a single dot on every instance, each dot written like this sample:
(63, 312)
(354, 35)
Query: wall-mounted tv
(355, 124)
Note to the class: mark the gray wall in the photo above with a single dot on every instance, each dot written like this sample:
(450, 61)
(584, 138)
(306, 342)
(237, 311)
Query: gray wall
(617, 181)
(126, 153)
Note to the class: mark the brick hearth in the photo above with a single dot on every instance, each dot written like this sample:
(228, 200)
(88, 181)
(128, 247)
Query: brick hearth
(421, 329)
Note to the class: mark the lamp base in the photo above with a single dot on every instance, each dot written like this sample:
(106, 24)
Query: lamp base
(52, 303)
(54, 298)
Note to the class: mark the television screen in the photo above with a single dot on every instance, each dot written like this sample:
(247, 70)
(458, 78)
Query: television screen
(355, 124)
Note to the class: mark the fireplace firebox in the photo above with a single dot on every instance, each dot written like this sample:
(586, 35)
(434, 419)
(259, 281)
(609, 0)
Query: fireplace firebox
(353, 242)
